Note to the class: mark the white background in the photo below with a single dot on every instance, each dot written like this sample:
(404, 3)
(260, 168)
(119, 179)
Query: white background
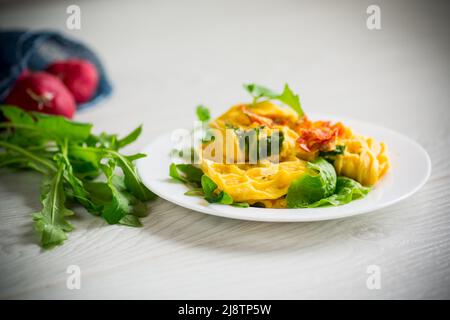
(165, 57)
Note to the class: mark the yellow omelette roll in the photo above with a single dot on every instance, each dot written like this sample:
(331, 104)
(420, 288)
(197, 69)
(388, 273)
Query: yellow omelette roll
(364, 160)
(254, 182)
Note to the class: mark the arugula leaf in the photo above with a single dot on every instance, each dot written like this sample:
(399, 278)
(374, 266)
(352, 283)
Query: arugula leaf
(138, 207)
(16, 115)
(136, 156)
(119, 205)
(132, 180)
(258, 91)
(287, 97)
(131, 137)
(51, 221)
(318, 182)
(329, 155)
(195, 192)
(85, 160)
(223, 198)
(346, 190)
(103, 140)
(240, 204)
(186, 173)
(173, 173)
(208, 185)
(25, 132)
(209, 188)
(79, 191)
(99, 192)
(55, 127)
(59, 128)
(118, 208)
(203, 114)
(131, 221)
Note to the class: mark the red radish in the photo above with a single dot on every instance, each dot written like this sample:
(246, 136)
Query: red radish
(42, 92)
(79, 76)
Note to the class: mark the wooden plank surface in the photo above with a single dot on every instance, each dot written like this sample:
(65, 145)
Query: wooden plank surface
(164, 58)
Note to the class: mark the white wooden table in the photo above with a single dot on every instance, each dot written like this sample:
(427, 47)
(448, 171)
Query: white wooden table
(164, 58)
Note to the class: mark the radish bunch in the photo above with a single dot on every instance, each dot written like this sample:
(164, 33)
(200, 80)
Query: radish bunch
(58, 89)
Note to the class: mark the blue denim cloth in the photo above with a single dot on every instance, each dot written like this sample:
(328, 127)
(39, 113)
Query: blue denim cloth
(34, 50)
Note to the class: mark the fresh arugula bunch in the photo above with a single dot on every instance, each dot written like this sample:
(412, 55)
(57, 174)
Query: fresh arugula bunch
(77, 165)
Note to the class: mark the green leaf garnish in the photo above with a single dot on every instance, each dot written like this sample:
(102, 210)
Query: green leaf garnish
(258, 91)
(209, 188)
(330, 155)
(186, 173)
(195, 192)
(317, 183)
(287, 97)
(346, 190)
(240, 204)
(203, 114)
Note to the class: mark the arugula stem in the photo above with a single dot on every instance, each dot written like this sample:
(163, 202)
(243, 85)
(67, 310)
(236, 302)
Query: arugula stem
(54, 192)
(97, 150)
(10, 161)
(17, 125)
(30, 155)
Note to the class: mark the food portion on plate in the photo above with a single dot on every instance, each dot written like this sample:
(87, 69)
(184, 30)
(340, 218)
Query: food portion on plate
(268, 153)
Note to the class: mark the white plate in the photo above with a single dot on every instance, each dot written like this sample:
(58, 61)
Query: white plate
(410, 169)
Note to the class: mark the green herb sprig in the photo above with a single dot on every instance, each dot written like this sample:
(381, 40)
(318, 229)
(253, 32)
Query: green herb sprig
(287, 97)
